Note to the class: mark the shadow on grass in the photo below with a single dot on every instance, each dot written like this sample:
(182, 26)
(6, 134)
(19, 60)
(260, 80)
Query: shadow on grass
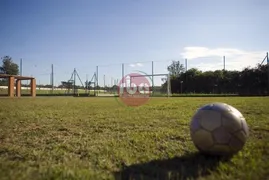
(189, 166)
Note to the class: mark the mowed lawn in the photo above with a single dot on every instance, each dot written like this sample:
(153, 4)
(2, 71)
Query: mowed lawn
(97, 138)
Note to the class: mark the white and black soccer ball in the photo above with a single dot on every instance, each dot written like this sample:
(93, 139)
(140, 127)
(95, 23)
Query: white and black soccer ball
(219, 129)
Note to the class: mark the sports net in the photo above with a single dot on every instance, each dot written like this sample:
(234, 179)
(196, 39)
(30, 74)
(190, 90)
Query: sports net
(112, 77)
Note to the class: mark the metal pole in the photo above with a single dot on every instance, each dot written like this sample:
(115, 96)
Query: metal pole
(104, 81)
(111, 85)
(50, 83)
(168, 79)
(186, 77)
(114, 86)
(74, 81)
(87, 83)
(94, 84)
(186, 65)
(224, 63)
(52, 78)
(97, 79)
(268, 70)
(152, 85)
(21, 67)
(122, 71)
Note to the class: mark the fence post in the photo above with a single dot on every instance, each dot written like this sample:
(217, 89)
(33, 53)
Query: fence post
(122, 70)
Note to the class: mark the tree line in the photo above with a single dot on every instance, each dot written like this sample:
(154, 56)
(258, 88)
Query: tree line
(249, 81)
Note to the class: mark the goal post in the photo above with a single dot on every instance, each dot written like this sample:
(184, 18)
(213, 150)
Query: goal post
(160, 84)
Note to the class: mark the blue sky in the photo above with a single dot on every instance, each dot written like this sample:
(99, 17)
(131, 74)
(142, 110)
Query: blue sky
(82, 34)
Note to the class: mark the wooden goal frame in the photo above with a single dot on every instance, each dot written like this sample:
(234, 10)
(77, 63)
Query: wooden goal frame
(18, 79)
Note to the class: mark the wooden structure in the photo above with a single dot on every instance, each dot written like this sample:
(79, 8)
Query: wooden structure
(14, 78)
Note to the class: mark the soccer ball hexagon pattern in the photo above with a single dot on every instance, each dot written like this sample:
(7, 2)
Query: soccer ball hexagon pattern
(219, 129)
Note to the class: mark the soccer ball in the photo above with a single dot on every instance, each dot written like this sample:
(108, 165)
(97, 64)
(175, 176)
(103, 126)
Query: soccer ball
(219, 129)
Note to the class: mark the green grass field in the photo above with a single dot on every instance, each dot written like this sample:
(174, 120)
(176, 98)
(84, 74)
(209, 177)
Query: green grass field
(96, 138)
(103, 93)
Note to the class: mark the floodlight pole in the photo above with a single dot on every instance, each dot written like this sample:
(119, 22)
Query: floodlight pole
(152, 83)
(97, 79)
(21, 67)
(267, 57)
(52, 78)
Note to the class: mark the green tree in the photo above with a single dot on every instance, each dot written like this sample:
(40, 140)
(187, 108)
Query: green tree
(8, 66)
(175, 69)
(249, 81)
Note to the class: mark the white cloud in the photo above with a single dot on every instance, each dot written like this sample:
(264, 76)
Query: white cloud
(136, 65)
(139, 64)
(212, 58)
